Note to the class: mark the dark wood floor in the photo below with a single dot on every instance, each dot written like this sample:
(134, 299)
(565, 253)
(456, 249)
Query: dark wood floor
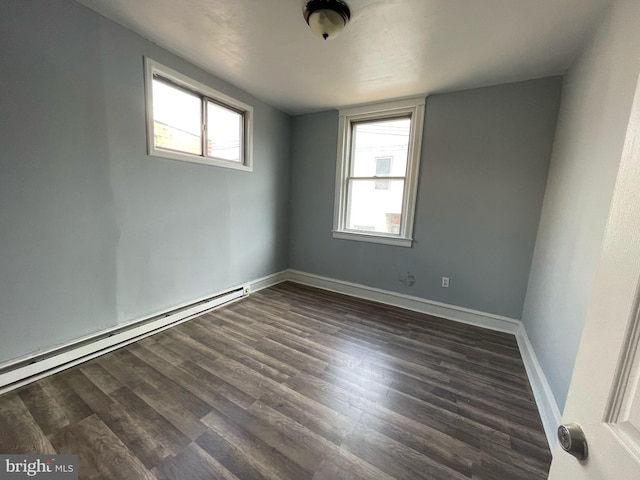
(292, 383)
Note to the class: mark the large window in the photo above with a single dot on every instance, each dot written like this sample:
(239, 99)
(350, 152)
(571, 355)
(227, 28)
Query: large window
(378, 157)
(187, 120)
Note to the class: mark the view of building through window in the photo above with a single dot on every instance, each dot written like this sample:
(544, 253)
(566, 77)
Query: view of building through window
(224, 132)
(177, 122)
(377, 176)
(177, 118)
(383, 169)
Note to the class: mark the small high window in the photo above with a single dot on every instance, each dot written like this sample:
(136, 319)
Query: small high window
(378, 158)
(190, 121)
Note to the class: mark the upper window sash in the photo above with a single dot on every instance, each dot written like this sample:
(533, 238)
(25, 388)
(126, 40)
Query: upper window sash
(413, 108)
(207, 94)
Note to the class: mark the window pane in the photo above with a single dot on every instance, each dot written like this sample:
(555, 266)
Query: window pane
(376, 143)
(374, 209)
(383, 166)
(224, 132)
(177, 118)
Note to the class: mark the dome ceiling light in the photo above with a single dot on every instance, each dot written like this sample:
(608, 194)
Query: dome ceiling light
(327, 18)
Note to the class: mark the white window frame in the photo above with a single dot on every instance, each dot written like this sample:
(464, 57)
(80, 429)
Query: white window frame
(153, 68)
(414, 108)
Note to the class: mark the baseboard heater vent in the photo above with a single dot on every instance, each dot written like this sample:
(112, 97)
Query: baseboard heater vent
(19, 372)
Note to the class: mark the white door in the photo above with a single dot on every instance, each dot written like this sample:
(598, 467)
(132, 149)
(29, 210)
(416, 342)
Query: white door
(604, 397)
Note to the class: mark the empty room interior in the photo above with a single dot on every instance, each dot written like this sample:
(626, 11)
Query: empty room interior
(316, 239)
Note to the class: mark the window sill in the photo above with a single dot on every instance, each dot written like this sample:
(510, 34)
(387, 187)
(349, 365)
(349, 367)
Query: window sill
(186, 157)
(381, 239)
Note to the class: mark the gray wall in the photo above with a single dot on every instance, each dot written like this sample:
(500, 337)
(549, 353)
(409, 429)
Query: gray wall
(596, 103)
(482, 177)
(93, 232)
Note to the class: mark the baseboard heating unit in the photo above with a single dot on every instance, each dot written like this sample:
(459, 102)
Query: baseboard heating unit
(19, 372)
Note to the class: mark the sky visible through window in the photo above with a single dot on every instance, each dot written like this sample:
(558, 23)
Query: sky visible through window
(374, 205)
(177, 116)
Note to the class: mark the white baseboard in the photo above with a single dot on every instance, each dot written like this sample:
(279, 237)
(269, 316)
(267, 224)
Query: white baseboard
(27, 369)
(416, 304)
(21, 371)
(547, 405)
(269, 281)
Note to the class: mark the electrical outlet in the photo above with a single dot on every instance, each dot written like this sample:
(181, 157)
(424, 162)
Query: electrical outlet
(445, 282)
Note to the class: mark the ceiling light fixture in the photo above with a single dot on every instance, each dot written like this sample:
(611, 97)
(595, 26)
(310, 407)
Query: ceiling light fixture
(327, 18)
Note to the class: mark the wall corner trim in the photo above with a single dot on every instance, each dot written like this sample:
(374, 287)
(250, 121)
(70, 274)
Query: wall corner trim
(546, 401)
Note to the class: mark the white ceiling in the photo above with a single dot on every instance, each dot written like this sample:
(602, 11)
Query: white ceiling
(390, 49)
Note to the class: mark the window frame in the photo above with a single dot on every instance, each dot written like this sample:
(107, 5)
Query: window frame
(206, 93)
(413, 108)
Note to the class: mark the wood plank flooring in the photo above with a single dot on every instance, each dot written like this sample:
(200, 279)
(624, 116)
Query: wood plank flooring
(292, 383)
